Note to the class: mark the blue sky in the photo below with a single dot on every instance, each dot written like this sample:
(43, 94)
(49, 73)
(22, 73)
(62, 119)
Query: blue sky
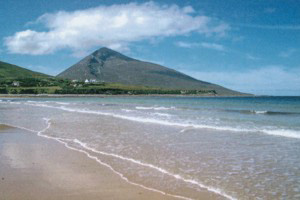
(250, 46)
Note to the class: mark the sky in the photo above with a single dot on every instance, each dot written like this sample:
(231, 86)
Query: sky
(249, 46)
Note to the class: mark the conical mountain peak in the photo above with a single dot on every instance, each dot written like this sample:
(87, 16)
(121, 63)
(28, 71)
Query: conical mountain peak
(105, 50)
(105, 53)
(113, 67)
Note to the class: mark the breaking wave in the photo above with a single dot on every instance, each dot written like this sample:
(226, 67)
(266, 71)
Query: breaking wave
(275, 132)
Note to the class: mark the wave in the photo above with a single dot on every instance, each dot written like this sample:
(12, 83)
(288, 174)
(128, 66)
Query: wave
(275, 132)
(283, 132)
(161, 114)
(62, 103)
(108, 104)
(120, 174)
(154, 108)
(127, 110)
(4, 100)
(164, 171)
(263, 112)
(151, 120)
(15, 103)
(282, 113)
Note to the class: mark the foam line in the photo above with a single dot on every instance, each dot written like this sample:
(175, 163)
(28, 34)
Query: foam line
(121, 175)
(186, 129)
(84, 145)
(282, 133)
(62, 141)
(143, 120)
(154, 108)
(164, 171)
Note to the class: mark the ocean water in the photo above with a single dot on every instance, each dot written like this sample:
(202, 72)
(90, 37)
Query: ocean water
(235, 148)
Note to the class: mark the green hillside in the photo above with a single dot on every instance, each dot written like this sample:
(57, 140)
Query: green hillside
(114, 74)
(17, 80)
(9, 71)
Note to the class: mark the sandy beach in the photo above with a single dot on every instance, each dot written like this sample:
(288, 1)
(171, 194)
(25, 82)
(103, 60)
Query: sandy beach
(32, 167)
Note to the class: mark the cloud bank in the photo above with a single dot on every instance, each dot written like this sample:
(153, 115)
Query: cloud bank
(113, 26)
(267, 80)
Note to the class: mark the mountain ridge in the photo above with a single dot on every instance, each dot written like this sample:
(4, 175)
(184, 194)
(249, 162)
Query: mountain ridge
(111, 66)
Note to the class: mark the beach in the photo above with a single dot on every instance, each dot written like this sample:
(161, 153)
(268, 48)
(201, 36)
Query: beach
(33, 167)
(150, 148)
(37, 168)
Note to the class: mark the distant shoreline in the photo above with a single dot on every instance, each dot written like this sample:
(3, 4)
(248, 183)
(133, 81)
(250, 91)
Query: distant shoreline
(118, 95)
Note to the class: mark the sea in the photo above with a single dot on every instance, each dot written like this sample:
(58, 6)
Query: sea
(231, 147)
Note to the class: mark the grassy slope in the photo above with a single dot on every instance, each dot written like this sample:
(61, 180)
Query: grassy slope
(9, 71)
(108, 88)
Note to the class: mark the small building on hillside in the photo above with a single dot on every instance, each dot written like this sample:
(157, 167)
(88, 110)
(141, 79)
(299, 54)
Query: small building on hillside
(93, 81)
(90, 81)
(16, 84)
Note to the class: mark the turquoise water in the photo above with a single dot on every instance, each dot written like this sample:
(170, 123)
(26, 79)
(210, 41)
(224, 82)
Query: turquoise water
(237, 148)
(269, 115)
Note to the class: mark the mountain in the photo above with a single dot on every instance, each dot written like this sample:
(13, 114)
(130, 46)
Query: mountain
(9, 71)
(113, 67)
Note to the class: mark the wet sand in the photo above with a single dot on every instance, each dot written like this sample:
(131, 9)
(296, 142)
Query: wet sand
(34, 168)
(4, 127)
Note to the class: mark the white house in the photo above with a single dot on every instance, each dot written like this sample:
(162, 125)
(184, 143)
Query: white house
(93, 81)
(16, 83)
(86, 81)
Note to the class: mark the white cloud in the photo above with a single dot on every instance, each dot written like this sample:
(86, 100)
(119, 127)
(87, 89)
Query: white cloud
(268, 80)
(287, 53)
(214, 46)
(188, 9)
(187, 44)
(207, 45)
(114, 26)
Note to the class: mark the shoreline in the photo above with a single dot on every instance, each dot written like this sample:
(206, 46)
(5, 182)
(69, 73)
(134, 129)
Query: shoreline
(52, 171)
(104, 95)
(141, 139)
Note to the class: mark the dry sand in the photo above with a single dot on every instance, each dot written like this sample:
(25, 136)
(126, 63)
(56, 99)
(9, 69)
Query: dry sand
(35, 168)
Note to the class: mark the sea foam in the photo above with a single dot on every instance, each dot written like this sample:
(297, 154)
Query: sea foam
(65, 141)
(274, 132)
(159, 169)
(154, 108)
